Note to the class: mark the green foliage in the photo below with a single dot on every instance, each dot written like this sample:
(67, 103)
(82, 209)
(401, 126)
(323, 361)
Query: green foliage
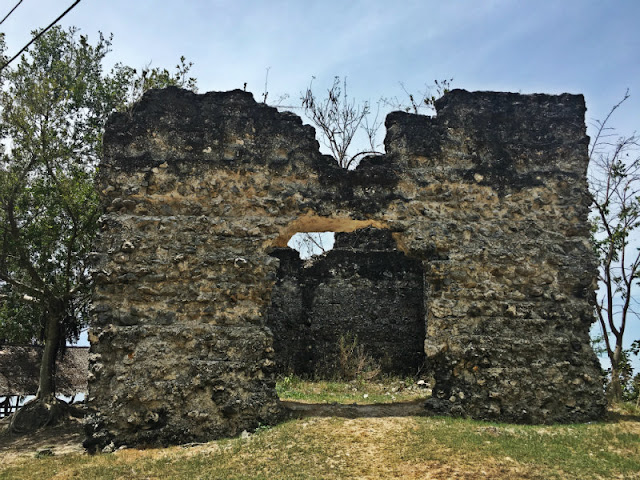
(3, 57)
(598, 345)
(53, 108)
(288, 382)
(385, 389)
(421, 102)
(19, 320)
(156, 77)
(629, 383)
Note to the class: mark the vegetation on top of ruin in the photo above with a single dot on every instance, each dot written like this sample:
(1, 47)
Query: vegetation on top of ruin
(339, 118)
(352, 130)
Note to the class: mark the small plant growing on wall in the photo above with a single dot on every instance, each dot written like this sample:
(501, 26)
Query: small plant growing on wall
(339, 118)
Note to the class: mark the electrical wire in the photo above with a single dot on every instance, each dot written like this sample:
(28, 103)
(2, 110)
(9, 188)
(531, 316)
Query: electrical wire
(8, 14)
(40, 34)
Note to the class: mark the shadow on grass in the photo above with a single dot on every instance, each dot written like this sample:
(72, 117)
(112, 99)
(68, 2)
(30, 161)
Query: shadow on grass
(398, 409)
(616, 417)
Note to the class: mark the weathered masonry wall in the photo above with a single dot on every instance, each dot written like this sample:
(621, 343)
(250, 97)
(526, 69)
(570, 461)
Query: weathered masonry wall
(490, 196)
(364, 289)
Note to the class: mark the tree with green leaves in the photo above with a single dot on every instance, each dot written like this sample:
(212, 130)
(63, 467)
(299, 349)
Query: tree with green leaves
(53, 107)
(615, 187)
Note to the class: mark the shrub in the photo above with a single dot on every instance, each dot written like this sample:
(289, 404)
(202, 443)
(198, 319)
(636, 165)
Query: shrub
(353, 362)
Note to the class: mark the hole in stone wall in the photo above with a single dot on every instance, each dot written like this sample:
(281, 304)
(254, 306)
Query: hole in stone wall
(348, 325)
(309, 244)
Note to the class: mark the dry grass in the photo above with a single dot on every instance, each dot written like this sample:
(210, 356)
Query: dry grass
(372, 448)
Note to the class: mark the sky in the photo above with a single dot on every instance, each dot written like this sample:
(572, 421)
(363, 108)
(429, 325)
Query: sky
(590, 47)
(540, 46)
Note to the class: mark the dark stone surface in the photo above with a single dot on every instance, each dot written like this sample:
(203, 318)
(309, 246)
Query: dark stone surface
(364, 289)
(490, 197)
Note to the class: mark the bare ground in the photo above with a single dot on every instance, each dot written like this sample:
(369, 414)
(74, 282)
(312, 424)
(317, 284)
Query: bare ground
(366, 432)
(398, 409)
(66, 437)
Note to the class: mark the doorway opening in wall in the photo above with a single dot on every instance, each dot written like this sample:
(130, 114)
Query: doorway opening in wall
(348, 321)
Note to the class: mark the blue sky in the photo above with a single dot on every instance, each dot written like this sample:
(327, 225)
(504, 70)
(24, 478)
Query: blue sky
(589, 47)
(551, 46)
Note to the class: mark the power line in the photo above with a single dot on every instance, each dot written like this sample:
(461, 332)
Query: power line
(8, 14)
(40, 34)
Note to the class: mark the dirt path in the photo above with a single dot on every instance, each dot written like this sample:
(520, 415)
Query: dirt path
(399, 409)
(60, 439)
(68, 436)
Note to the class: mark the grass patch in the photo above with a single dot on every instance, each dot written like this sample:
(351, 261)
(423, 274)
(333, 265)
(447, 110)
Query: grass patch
(361, 392)
(597, 450)
(625, 408)
(370, 448)
(398, 447)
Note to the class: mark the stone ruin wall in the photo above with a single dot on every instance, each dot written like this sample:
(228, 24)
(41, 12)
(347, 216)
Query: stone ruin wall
(490, 196)
(364, 290)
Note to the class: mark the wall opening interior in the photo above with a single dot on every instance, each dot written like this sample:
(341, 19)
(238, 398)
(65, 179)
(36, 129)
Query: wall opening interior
(354, 314)
(309, 244)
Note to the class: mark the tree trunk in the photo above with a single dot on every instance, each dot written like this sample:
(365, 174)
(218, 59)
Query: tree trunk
(47, 382)
(615, 389)
(45, 408)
